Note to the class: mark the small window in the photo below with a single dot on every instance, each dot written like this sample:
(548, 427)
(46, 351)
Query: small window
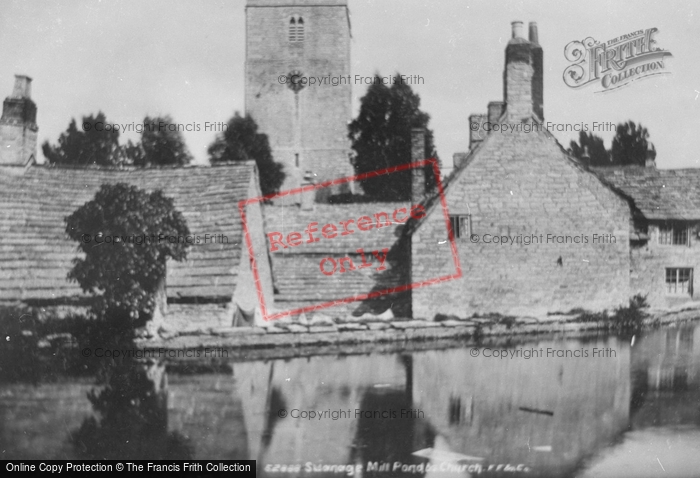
(679, 281)
(676, 235)
(296, 159)
(296, 29)
(455, 411)
(461, 226)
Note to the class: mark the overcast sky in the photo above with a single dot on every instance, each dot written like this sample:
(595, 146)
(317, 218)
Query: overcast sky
(132, 58)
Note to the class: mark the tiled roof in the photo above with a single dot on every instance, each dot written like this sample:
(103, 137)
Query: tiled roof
(297, 270)
(36, 254)
(658, 193)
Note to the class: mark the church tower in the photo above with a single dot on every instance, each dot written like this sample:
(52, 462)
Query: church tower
(298, 84)
(18, 129)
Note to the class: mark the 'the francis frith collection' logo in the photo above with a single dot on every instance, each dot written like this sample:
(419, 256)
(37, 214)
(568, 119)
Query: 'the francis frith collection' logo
(615, 63)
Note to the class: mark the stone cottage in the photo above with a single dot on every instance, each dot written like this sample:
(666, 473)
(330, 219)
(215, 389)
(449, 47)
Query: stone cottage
(213, 284)
(665, 240)
(535, 231)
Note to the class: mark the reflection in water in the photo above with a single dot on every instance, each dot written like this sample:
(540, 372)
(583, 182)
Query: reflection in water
(627, 414)
(132, 420)
(664, 434)
(543, 413)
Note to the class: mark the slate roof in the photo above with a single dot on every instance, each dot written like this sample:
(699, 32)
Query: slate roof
(659, 194)
(36, 254)
(296, 271)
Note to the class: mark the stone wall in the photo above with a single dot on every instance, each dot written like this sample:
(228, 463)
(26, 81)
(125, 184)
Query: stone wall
(524, 184)
(649, 263)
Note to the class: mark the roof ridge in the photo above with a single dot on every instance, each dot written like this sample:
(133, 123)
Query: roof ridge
(127, 168)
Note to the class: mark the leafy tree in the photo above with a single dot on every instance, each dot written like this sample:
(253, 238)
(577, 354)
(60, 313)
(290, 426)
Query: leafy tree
(594, 146)
(133, 153)
(629, 146)
(91, 144)
(128, 271)
(240, 141)
(162, 144)
(381, 138)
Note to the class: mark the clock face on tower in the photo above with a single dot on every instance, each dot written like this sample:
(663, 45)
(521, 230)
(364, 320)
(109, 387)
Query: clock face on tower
(294, 81)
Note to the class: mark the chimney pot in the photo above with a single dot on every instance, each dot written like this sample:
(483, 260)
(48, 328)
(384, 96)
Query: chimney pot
(517, 29)
(23, 87)
(533, 33)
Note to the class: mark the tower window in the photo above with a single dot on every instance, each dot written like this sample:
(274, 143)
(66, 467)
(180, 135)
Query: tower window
(296, 29)
(461, 226)
(296, 159)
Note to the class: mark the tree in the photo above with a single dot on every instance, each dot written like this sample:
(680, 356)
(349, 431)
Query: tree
(240, 141)
(133, 153)
(126, 234)
(590, 149)
(162, 144)
(381, 138)
(629, 146)
(95, 143)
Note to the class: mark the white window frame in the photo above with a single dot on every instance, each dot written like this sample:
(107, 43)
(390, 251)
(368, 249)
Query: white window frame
(675, 286)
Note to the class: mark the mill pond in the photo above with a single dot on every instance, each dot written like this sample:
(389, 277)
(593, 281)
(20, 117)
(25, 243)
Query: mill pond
(598, 405)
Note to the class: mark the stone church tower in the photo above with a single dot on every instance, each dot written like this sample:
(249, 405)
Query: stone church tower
(289, 42)
(18, 129)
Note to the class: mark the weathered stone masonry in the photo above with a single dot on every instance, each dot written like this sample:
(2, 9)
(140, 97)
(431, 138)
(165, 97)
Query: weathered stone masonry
(307, 127)
(523, 183)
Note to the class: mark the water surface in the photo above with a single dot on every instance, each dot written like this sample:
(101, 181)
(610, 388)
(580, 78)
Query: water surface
(602, 406)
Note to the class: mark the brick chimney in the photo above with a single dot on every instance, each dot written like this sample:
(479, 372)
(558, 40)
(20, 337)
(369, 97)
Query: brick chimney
(417, 174)
(18, 129)
(518, 76)
(538, 73)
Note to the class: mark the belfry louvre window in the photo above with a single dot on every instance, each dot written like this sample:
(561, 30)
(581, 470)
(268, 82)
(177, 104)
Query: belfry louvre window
(679, 281)
(461, 225)
(676, 235)
(296, 29)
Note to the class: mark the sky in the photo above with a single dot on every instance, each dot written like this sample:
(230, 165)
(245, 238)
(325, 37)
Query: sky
(130, 59)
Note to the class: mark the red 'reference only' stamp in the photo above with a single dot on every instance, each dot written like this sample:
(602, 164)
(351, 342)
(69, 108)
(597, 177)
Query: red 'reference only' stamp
(343, 249)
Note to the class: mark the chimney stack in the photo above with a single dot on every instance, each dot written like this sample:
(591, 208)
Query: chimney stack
(477, 133)
(18, 129)
(650, 161)
(308, 198)
(518, 76)
(417, 174)
(495, 109)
